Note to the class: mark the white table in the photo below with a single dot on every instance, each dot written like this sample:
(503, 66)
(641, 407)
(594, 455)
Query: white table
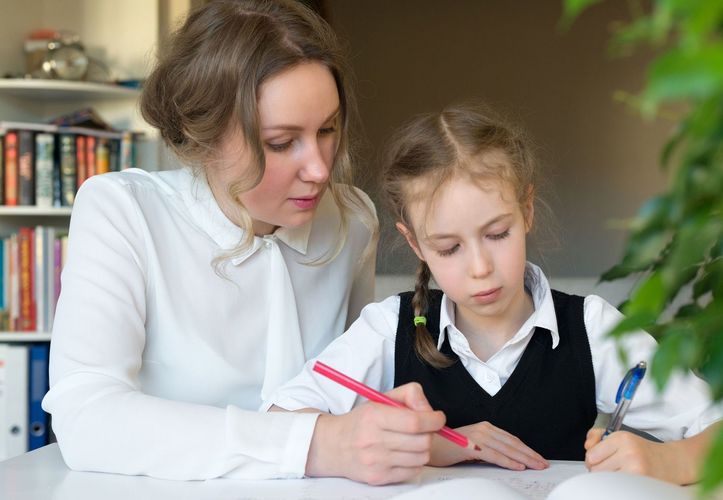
(42, 475)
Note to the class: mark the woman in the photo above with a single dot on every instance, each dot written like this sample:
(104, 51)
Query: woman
(189, 295)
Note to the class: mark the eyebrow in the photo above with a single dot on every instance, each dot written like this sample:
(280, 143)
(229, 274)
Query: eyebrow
(442, 236)
(297, 128)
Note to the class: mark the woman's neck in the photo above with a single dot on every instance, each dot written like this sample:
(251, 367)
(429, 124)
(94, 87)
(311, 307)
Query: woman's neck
(231, 209)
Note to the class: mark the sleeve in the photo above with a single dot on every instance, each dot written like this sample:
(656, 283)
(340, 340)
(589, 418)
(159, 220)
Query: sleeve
(683, 408)
(362, 290)
(365, 353)
(102, 419)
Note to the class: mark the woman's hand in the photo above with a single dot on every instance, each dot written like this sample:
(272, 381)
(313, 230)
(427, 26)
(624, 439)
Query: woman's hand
(375, 443)
(497, 447)
(676, 461)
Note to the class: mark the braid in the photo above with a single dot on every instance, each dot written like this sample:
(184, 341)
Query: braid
(423, 344)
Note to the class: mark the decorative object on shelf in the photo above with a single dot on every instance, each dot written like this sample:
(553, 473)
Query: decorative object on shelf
(60, 55)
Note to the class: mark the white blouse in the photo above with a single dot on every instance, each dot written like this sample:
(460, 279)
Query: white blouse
(160, 354)
(366, 352)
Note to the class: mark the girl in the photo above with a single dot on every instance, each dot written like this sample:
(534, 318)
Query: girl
(508, 360)
(189, 295)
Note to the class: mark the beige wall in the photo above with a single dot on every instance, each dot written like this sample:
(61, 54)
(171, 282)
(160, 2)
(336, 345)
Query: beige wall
(412, 56)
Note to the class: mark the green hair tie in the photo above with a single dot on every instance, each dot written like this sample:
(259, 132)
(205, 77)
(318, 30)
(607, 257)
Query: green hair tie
(420, 320)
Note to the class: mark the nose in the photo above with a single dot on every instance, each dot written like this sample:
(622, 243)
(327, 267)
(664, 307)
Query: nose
(480, 263)
(316, 167)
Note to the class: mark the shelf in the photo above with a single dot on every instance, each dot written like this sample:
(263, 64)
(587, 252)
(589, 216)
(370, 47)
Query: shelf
(55, 90)
(24, 337)
(37, 211)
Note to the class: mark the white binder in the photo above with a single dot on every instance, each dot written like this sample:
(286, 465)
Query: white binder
(13, 400)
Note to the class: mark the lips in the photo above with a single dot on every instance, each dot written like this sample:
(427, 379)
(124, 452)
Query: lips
(487, 296)
(305, 202)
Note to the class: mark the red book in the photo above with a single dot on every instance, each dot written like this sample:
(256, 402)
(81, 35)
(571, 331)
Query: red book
(89, 156)
(26, 239)
(11, 168)
(80, 157)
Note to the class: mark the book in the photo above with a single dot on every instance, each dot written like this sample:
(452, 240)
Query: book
(68, 169)
(38, 386)
(27, 312)
(14, 399)
(26, 168)
(588, 486)
(80, 160)
(11, 167)
(44, 165)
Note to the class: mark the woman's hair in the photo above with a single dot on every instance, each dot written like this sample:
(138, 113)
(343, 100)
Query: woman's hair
(462, 141)
(208, 80)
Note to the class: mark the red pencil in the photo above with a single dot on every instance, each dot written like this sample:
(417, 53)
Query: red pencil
(378, 397)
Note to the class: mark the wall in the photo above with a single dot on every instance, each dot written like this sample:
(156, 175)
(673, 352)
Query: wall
(412, 56)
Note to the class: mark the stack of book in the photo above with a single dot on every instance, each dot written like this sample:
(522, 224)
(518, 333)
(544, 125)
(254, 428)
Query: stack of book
(24, 426)
(31, 261)
(44, 165)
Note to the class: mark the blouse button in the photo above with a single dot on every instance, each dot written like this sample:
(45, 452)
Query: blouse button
(268, 241)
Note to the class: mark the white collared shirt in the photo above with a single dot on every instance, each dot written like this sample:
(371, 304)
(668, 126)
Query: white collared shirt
(366, 352)
(159, 357)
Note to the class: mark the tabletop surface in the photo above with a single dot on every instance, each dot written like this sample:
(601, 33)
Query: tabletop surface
(42, 474)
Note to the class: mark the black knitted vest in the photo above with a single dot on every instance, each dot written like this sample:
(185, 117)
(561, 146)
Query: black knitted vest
(549, 400)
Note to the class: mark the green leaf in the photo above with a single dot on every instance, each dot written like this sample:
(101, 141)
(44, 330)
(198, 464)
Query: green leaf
(573, 8)
(681, 74)
(676, 344)
(649, 298)
(712, 471)
(633, 322)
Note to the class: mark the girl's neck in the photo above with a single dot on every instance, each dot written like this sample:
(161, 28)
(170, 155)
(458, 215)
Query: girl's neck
(487, 335)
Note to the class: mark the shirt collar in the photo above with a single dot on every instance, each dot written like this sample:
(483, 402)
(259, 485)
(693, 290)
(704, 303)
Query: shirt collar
(542, 317)
(209, 217)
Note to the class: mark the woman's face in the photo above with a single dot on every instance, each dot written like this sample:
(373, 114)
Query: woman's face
(299, 119)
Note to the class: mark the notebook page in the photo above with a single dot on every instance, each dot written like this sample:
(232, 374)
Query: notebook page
(619, 486)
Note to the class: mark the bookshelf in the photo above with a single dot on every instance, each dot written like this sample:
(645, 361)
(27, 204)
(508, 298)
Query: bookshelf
(124, 36)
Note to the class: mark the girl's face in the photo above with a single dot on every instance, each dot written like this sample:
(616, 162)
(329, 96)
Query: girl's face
(473, 239)
(299, 128)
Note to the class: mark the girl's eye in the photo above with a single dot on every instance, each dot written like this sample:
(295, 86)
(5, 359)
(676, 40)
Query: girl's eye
(278, 147)
(448, 252)
(327, 130)
(499, 236)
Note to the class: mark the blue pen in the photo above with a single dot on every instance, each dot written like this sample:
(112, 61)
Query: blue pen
(624, 397)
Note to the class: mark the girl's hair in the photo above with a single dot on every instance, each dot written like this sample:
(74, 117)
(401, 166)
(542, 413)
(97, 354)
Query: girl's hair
(462, 141)
(208, 80)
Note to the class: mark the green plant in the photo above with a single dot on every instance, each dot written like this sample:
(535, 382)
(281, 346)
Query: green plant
(676, 239)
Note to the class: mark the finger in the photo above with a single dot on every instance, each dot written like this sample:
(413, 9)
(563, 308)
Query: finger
(404, 442)
(517, 451)
(407, 421)
(411, 395)
(513, 447)
(397, 475)
(593, 437)
(601, 451)
(405, 459)
(493, 456)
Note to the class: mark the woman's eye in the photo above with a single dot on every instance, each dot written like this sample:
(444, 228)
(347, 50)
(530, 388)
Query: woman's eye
(278, 147)
(448, 252)
(327, 130)
(499, 236)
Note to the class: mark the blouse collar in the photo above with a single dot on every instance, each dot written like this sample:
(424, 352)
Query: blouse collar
(209, 217)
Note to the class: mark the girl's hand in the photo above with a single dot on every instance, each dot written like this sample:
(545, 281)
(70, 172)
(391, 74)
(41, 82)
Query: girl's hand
(497, 447)
(624, 451)
(375, 443)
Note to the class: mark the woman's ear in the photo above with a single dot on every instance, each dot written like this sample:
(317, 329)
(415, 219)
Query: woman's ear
(411, 240)
(529, 209)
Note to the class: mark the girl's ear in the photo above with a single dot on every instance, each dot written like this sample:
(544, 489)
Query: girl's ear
(411, 240)
(529, 209)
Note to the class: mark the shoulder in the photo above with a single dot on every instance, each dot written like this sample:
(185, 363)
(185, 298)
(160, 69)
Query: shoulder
(380, 317)
(600, 318)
